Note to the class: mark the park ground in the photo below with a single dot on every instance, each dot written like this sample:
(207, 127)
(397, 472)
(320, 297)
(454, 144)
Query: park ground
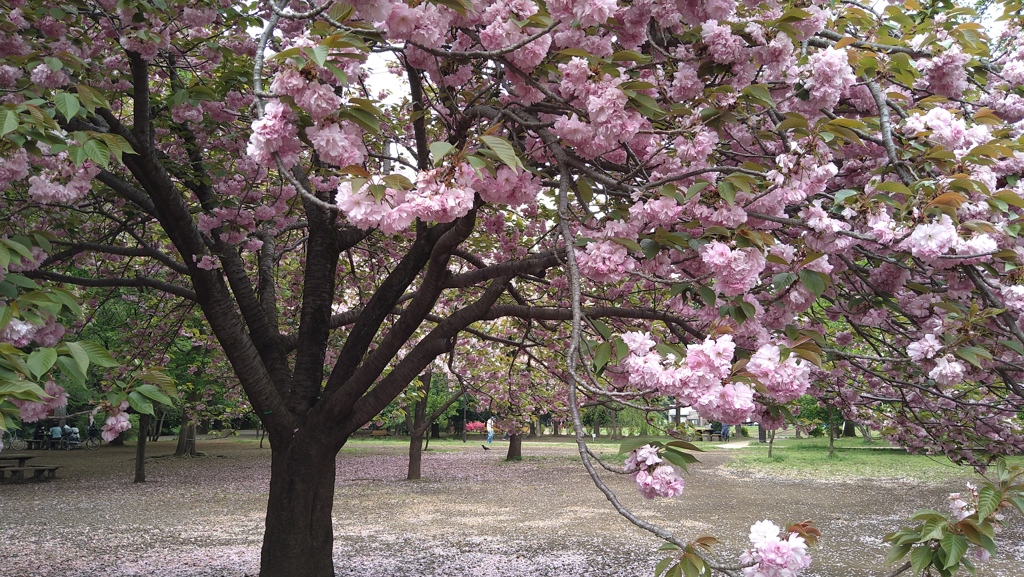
(472, 514)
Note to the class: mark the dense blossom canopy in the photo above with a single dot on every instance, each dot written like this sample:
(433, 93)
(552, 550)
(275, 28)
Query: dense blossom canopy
(733, 202)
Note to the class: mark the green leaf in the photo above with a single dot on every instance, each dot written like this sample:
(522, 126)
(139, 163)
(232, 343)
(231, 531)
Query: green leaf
(920, 559)
(988, 501)
(955, 546)
(679, 459)
(318, 53)
(340, 11)
(67, 104)
(972, 354)
(366, 120)
(22, 390)
(628, 243)
(813, 281)
(398, 182)
(896, 553)
(140, 403)
(504, 150)
(98, 354)
(78, 353)
(41, 360)
(632, 444)
(8, 121)
(70, 368)
(684, 445)
(844, 194)
(97, 152)
(933, 529)
(602, 355)
(707, 294)
(695, 188)
(602, 329)
(440, 149)
(650, 247)
(793, 120)
(782, 280)
(689, 570)
(662, 566)
(759, 92)
(154, 393)
(890, 186)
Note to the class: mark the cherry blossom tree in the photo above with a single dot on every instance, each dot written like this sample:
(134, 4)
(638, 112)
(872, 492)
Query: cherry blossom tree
(718, 202)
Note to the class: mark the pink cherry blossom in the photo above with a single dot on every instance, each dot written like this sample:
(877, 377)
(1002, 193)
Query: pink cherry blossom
(340, 144)
(926, 348)
(605, 261)
(931, 240)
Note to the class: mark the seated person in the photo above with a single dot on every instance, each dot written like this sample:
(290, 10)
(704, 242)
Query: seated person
(55, 435)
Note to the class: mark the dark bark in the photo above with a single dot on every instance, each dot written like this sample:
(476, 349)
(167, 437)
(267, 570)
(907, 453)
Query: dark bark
(866, 433)
(140, 449)
(299, 538)
(849, 429)
(186, 440)
(831, 434)
(417, 429)
(515, 447)
(154, 434)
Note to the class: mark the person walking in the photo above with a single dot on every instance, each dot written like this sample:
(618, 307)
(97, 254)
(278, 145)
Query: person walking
(490, 430)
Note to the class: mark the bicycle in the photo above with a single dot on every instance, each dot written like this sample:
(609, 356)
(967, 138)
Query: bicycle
(93, 442)
(13, 440)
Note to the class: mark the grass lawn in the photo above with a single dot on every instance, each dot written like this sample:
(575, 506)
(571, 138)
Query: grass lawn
(853, 458)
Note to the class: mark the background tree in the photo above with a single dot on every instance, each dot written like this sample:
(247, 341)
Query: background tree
(678, 199)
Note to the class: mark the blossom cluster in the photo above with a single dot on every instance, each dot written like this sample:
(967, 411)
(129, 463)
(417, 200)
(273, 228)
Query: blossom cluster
(439, 195)
(772, 555)
(117, 420)
(31, 412)
(653, 477)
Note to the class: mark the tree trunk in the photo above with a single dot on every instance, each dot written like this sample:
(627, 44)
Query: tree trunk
(187, 440)
(849, 429)
(515, 447)
(866, 433)
(140, 449)
(155, 430)
(299, 538)
(417, 430)
(831, 433)
(615, 426)
(554, 428)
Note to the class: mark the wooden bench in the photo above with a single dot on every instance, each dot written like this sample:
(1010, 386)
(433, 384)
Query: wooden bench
(38, 472)
(379, 433)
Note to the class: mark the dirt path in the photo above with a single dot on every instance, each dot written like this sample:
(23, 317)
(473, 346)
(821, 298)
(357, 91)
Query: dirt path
(472, 514)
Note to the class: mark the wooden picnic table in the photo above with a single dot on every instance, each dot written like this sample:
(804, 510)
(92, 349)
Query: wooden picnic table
(20, 458)
(8, 469)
